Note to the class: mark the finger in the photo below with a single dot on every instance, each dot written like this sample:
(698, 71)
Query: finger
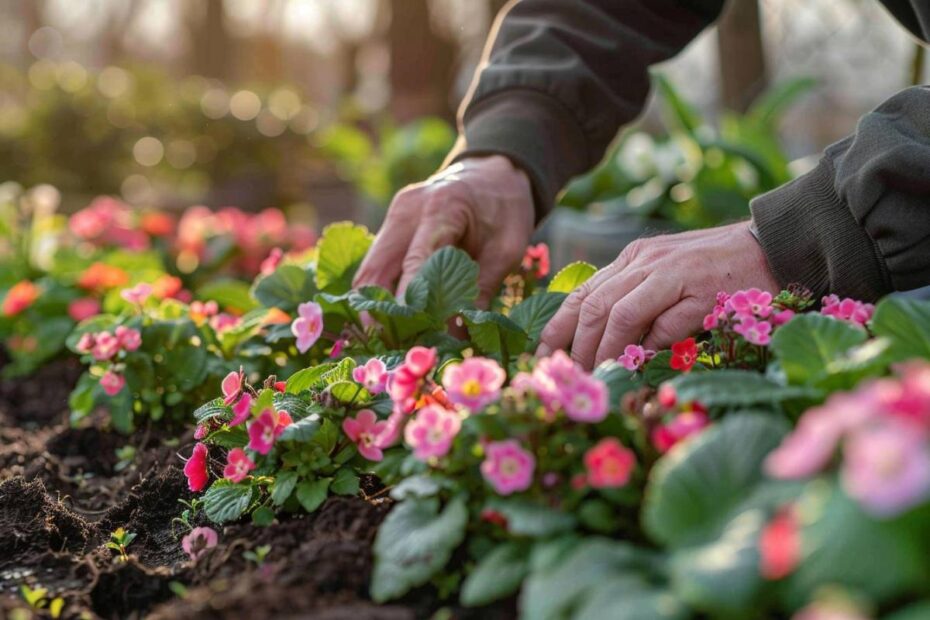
(382, 265)
(442, 225)
(632, 315)
(675, 324)
(596, 311)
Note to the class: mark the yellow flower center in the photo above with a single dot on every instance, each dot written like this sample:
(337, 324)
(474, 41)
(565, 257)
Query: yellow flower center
(471, 387)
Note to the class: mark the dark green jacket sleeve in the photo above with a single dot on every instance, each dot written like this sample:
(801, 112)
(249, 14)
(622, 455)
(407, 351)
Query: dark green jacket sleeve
(562, 76)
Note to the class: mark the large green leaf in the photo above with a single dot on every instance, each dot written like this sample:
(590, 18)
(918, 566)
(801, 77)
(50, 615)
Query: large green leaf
(225, 501)
(494, 334)
(527, 518)
(498, 574)
(308, 378)
(534, 312)
(283, 486)
(312, 494)
(401, 321)
(286, 288)
(906, 324)
(809, 344)
(450, 280)
(571, 277)
(415, 541)
(341, 248)
(302, 430)
(736, 388)
(228, 293)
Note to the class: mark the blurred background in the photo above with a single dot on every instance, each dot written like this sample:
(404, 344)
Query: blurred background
(325, 108)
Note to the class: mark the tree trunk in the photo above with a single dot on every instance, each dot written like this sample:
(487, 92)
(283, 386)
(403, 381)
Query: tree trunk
(742, 55)
(210, 43)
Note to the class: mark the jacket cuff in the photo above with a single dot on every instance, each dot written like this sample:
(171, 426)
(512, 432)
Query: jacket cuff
(536, 132)
(810, 237)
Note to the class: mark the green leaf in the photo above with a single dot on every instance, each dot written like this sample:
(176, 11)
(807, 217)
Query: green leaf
(298, 408)
(302, 430)
(210, 410)
(349, 392)
(414, 542)
(228, 293)
(680, 113)
(498, 574)
(534, 312)
(906, 324)
(571, 277)
(311, 495)
(526, 518)
(285, 288)
(263, 516)
(308, 378)
(345, 482)
(283, 486)
(421, 485)
(618, 380)
(494, 333)
(916, 611)
(736, 388)
(225, 501)
(809, 344)
(629, 598)
(450, 278)
(341, 249)
(658, 370)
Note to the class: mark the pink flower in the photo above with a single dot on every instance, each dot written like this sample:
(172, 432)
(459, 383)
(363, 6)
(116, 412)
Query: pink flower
(886, 468)
(507, 467)
(713, 319)
(782, 317)
(420, 361)
(106, 345)
(403, 386)
(373, 375)
(238, 465)
(684, 425)
(271, 262)
(609, 464)
(83, 308)
(830, 610)
(137, 294)
(536, 260)
(112, 383)
(232, 386)
(266, 429)
(308, 325)
(196, 468)
(754, 331)
(223, 321)
(196, 543)
(392, 430)
(752, 302)
(241, 410)
(909, 398)
(129, 339)
(364, 429)
(475, 383)
(431, 432)
(201, 431)
(554, 377)
(667, 396)
(586, 401)
(86, 343)
(780, 546)
(634, 356)
(336, 351)
(849, 310)
(201, 311)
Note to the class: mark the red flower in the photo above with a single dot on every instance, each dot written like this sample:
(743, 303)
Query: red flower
(684, 355)
(20, 296)
(536, 260)
(196, 469)
(780, 546)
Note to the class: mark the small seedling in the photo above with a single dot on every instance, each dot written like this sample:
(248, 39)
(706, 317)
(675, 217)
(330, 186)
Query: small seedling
(126, 456)
(186, 516)
(37, 598)
(257, 555)
(119, 540)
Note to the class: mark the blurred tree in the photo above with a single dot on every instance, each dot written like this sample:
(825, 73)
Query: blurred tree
(743, 74)
(209, 41)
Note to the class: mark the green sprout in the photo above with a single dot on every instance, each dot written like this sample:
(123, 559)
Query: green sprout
(257, 555)
(119, 540)
(37, 598)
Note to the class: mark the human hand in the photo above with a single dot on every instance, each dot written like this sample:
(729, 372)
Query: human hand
(658, 290)
(483, 205)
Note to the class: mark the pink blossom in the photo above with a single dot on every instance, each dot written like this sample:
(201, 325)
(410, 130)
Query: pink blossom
(886, 468)
(751, 302)
(780, 545)
(223, 321)
(137, 294)
(713, 319)
(667, 396)
(507, 467)
(553, 377)
(609, 464)
(403, 386)
(780, 318)
(271, 262)
(909, 398)
(849, 310)
(83, 308)
(129, 339)
(830, 610)
(106, 345)
(201, 431)
(420, 361)
(536, 260)
(431, 432)
(196, 468)
(586, 401)
(266, 429)
(754, 331)
(634, 357)
(198, 541)
(308, 326)
(683, 425)
(86, 342)
(338, 346)
(363, 430)
(474, 383)
(238, 465)
(112, 383)
(393, 427)
(241, 409)
(372, 375)
(232, 386)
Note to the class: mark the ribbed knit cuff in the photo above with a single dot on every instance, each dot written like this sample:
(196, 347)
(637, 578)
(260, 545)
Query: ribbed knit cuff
(534, 131)
(810, 237)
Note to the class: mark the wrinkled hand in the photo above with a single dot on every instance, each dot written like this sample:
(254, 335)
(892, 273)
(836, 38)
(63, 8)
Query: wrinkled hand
(483, 205)
(657, 291)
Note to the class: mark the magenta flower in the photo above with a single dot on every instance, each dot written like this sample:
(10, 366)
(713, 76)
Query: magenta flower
(223, 321)
(909, 398)
(373, 375)
(129, 339)
(86, 342)
(198, 540)
(886, 468)
(232, 386)
(609, 464)
(308, 326)
(751, 302)
(684, 425)
(403, 386)
(431, 432)
(201, 431)
(363, 430)
(634, 356)
(106, 345)
(780, 318)
(420, 361)
(241, 410)
(507, 467)
(338, 346)
(475, 383)
(238, 465)
(266, 429)
(196, 469)
(849, 310)
(271, 262)
(754, 331)
(83, 308)
(138, 294)
(112, 383)
(586, 401)
(553, 377)
(393, 428)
